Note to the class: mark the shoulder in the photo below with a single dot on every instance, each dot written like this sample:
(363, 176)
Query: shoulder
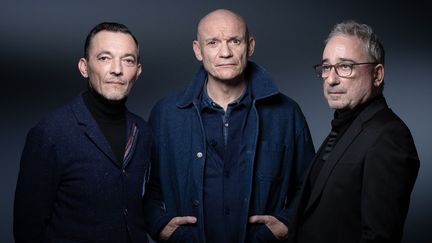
(169, 101)
(279, 100)
(166, 106)
(57, 118)
(386, 131)
(386, 120)
(53, 125)
(280, 105)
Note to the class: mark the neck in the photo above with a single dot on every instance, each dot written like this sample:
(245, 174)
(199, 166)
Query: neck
(104, 109)
(223, 92)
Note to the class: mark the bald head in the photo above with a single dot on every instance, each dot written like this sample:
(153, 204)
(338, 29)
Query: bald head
(223, 45)
(221, 18)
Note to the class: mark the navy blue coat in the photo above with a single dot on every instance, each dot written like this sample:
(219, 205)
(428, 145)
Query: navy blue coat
(278, 150)
(70, 189)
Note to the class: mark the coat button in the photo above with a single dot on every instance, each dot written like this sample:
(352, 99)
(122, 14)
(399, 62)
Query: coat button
(199, 155)
(196, 203)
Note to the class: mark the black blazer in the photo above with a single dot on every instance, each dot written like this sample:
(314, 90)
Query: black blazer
(362, 192)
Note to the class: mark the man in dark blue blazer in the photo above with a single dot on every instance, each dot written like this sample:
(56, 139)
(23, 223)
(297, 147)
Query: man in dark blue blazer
(359, 185)
(84, 167)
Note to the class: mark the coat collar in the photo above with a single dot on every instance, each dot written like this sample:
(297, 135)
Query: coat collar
(262, 85)
(91, 129)
(344, 142)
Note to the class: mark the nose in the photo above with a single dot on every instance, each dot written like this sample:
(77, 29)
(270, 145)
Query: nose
(333, 78)
(116, 67)
(225, 50)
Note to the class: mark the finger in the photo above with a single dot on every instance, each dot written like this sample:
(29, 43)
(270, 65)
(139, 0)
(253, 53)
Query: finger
(184, 220)
(260, 219)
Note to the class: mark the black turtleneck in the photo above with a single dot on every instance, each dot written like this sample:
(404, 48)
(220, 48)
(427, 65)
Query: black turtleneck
(111, 119)
(342, 119)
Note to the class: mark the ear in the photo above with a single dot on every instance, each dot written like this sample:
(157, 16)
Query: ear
(378, 75)
(138, 71)
(251, 46)
(82, 66)
(197, 50)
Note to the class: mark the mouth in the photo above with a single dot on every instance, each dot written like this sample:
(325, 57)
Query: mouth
(335, 92)
(226, 65)
(115, 82)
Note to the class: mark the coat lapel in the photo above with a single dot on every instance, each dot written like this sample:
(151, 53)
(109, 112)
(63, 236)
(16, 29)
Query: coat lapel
(89, 126)
(132, 139)
(345, 141)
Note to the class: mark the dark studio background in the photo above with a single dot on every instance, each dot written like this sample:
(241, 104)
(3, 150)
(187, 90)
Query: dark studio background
(41, 42)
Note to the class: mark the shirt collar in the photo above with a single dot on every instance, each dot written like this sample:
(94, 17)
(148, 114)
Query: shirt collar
(207, 102)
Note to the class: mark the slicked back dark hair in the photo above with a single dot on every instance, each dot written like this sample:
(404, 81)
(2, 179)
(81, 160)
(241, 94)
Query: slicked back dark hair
(110, 27)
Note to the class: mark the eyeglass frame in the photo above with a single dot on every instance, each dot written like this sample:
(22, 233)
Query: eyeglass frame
(335, 66)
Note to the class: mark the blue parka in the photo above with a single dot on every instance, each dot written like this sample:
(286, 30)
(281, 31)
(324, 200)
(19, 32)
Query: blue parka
(278, 150)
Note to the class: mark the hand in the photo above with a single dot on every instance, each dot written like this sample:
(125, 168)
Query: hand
(173, 224)
(279, 229)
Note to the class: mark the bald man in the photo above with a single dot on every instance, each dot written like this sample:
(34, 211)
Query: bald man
(230, 149)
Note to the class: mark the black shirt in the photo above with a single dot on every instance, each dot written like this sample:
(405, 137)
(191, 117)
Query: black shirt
(111, 119)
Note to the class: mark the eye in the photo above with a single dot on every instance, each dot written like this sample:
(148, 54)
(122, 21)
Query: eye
(211, 43)
(104, 58)
(345, 66)
(129, 61)
(326, 67)
(236, 41)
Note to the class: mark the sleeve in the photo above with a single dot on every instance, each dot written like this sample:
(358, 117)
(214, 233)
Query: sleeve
(390, 171)
(35, 189)
(154, 207)
(303, 155)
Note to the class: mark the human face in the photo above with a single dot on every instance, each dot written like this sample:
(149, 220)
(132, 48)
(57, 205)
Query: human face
(223, 46)
(349, 92)
(112, 66)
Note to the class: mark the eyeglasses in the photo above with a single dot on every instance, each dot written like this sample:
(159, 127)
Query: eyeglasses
(342, 69)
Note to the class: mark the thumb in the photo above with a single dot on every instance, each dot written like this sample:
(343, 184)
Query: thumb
(185, 220)
(260, 219)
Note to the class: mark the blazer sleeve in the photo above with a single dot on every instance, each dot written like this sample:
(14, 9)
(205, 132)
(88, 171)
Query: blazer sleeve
(36, 187)
(390, 170)
(303, 155)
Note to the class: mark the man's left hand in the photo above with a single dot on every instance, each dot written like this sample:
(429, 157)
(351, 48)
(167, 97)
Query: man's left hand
(279, 229)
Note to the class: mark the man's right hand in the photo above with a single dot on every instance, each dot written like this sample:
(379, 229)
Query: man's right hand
(173, 224)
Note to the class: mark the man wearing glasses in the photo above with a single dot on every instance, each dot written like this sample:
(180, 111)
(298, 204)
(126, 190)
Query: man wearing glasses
(359, 184)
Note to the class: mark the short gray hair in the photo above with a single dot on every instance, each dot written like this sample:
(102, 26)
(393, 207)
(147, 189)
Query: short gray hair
(363, 32)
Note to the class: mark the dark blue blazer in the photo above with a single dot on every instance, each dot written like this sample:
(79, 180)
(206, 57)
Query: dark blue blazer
(70, 189)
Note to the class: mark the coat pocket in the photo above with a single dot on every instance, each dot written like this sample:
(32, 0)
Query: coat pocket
(269, 161)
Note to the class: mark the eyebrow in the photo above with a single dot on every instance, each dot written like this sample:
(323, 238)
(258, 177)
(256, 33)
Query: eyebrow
(123, 56)
(130, 55)
(239, 37)
(104, 53)
(340, 60)
(210, 39)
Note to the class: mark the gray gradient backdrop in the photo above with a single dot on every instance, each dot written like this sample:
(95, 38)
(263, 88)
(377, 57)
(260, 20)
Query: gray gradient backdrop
(41, 42)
